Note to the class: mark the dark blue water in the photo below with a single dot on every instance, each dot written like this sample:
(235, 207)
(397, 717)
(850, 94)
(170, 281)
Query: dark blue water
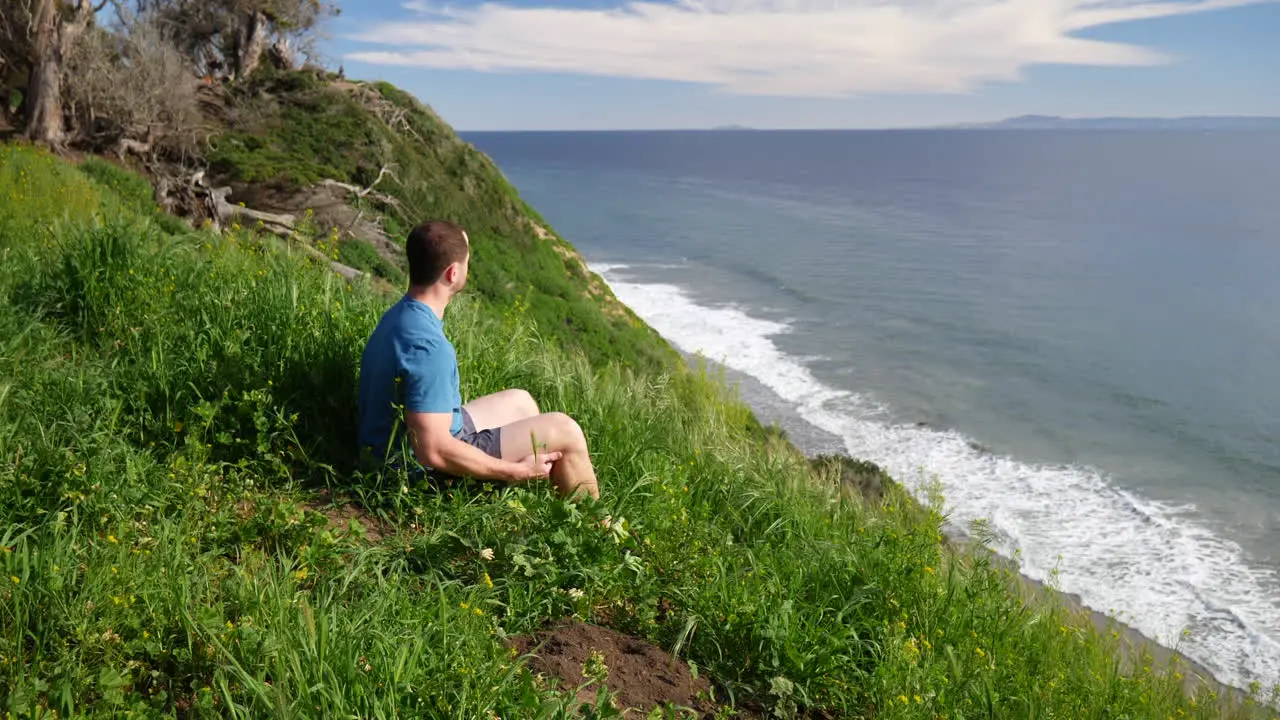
(1075, 335)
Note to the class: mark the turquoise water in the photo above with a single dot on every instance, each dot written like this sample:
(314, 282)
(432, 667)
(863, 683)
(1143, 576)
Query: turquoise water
(1076, 334)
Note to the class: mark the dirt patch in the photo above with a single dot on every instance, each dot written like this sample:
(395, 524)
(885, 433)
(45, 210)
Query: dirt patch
(643, 675)
(342, 515)
(541, 232)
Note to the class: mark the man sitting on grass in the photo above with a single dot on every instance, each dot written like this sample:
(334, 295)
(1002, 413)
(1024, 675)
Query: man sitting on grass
(409, 363)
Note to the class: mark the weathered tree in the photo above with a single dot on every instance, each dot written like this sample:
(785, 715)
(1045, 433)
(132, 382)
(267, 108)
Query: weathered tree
(231, 37)
(58, 24)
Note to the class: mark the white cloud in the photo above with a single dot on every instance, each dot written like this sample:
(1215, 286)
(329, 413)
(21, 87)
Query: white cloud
(776, 47)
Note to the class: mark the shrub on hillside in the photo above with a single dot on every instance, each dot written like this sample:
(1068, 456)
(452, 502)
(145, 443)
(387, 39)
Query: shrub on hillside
(363, 256)
(133, 83)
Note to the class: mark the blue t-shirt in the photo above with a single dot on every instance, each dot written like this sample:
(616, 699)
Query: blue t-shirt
(407, 364)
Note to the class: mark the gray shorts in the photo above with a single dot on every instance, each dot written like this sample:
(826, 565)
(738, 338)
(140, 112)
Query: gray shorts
(490, 440)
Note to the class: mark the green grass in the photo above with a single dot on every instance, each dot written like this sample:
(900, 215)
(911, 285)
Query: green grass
(363, 256)
(291, 129)
(169, 404)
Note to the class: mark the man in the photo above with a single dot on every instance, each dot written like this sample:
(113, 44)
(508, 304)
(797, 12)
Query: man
(410, 398)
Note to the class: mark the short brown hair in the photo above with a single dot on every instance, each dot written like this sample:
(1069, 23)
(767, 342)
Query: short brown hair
(432, 247)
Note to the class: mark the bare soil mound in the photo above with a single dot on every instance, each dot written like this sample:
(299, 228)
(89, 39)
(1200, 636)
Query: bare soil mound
(342, 516)
(643, 675)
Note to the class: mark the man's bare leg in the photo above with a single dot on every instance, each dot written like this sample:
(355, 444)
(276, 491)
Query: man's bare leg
(554, 432)
(501, 408)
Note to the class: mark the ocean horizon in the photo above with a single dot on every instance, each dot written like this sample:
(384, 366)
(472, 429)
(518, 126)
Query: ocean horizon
(1074, 336)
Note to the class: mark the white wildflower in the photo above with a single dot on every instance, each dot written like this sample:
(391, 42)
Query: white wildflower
(487, 553)
(575, 593)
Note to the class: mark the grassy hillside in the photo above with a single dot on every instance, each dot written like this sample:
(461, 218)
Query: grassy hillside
(172, 406)
(286, 130)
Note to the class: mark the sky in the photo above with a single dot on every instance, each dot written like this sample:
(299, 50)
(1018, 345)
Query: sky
(680, 64)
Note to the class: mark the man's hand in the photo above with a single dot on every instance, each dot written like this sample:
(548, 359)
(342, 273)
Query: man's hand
(535, 466)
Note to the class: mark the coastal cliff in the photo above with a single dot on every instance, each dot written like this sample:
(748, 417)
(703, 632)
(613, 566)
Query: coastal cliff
(185, 532)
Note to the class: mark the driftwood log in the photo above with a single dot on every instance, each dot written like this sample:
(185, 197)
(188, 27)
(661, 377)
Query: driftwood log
(189, 195)
(224, 214)
(280, 224)
(227, 213)
(367, 192)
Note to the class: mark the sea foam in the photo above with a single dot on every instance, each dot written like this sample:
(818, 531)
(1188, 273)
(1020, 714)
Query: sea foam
(1148, 564)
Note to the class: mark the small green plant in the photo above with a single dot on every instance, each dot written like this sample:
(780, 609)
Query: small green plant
(783, 693)
(594, 669)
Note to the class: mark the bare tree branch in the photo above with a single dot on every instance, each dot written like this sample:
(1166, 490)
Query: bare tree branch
(385, 170)
(365, 192)
(132, 84)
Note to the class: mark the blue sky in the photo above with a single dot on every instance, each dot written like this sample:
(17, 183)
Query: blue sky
(607, 64)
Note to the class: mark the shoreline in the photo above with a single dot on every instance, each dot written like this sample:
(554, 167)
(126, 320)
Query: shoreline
(1131, 642)
(810, 440)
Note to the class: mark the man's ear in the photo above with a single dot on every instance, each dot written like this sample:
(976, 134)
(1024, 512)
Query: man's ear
(451, 273)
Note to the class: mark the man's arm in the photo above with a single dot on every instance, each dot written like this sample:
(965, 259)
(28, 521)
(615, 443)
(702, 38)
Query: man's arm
(436, 448)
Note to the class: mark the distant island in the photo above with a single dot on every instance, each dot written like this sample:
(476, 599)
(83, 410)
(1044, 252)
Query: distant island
(1051, 122)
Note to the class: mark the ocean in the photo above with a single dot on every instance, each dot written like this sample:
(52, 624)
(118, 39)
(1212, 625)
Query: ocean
(1074, 335)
